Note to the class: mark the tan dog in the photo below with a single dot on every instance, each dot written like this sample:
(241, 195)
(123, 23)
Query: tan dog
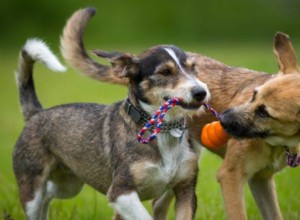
(272, 119)
(252, 160)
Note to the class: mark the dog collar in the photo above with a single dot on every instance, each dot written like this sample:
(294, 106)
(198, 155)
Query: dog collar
(292, 159)
(141, 117)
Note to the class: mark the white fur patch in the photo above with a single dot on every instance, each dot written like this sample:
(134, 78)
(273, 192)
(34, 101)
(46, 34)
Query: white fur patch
(33, 207)
(174, 154)
(37, 208)
(130, 207)
(51, 189)
(175, 58)
(39, 51)
(174, 166)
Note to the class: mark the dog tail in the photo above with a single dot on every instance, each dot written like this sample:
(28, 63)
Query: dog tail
(74, 52)
(33, 50)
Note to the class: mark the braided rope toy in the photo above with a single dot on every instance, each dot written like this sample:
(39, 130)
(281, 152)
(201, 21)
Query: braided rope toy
(213, 111)
(157, 117)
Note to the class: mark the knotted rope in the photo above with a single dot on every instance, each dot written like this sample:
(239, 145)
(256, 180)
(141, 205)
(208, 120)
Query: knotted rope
(157, 117)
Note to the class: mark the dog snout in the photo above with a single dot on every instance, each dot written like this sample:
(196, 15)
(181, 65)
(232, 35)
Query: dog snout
(225, 118)
(232, 123)
(235, 124)
(199, 93)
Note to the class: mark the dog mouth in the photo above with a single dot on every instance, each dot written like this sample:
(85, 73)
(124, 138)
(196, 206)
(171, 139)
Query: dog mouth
(190, 105)
(240, 131)
(193, 105)
(248, 134)
(239, 127)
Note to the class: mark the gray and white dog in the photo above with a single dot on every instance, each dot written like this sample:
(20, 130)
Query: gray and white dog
(63, 147)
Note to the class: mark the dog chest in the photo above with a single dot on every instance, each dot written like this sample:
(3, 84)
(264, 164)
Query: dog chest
(177, 163)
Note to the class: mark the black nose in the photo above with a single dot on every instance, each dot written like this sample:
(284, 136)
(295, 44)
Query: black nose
(224, 119)
(198, 93)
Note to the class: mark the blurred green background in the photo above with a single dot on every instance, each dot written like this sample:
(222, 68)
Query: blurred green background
(143, 22)
(237, 32)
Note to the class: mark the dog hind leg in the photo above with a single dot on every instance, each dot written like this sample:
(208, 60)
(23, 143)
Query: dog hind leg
(40, 176)
(63, 184)
(31, 167)
(37, 208)
(33, 194)
(51, 186)
(36, 192)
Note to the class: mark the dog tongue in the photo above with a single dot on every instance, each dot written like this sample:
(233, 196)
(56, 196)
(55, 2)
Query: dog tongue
(292, 160)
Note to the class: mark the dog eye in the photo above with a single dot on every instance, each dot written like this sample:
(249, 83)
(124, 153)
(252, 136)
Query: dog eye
(165, 72)
(262, 112)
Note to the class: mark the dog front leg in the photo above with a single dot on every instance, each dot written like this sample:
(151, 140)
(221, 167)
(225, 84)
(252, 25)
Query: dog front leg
(232, 177)
(186, 201)
(264, 191)
(232, 184)
(129, 206)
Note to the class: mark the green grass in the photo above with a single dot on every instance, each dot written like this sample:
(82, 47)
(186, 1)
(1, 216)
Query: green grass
(54, 89)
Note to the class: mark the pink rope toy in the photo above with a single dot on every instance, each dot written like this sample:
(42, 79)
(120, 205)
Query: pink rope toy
(159, 115)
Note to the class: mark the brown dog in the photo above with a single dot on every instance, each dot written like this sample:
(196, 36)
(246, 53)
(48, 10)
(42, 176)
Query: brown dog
(252, 160)
(271, 118)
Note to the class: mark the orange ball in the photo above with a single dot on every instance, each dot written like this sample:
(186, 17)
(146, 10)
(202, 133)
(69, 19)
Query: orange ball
(213, 136)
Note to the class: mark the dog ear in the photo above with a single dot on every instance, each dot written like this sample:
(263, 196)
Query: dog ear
(285, 54)
(123, 64)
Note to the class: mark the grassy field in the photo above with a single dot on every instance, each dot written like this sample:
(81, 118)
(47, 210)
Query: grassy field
(54, 89)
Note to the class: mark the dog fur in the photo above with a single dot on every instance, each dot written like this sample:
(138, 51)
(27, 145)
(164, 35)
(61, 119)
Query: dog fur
(271, 119)
(245, 160)
(63, 147)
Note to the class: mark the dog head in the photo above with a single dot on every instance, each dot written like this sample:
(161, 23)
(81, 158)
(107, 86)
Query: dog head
(273, 113)
(158, 74)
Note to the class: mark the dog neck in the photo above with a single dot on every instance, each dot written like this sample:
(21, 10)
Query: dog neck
(283, 141)
(140, 113)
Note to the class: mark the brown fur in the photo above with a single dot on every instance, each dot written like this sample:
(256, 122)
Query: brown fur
(75, 55)
(247, 160)
(272, 118)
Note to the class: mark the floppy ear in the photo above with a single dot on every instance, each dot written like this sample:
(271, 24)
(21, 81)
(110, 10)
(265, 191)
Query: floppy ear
(285, 54)
(123, 64)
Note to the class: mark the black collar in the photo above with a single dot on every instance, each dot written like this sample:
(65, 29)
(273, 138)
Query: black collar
(141, 117)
